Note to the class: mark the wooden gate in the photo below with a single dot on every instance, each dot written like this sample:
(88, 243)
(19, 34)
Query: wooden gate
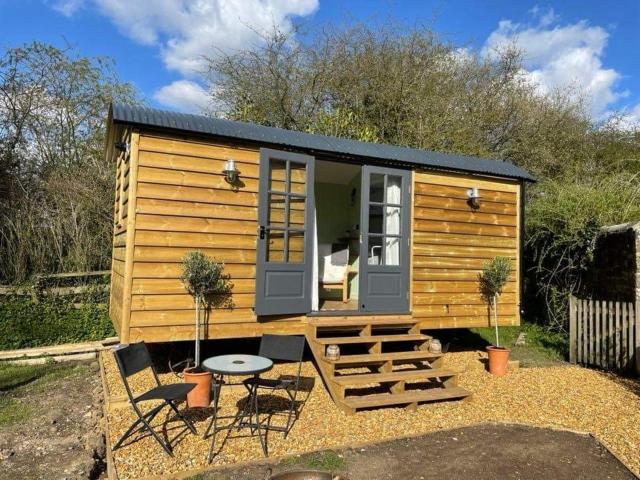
(604, 334)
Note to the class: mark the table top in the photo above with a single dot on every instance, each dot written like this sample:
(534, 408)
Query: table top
(237, 364)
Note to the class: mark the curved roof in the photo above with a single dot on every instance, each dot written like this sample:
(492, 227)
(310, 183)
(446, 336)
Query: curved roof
(143, 116)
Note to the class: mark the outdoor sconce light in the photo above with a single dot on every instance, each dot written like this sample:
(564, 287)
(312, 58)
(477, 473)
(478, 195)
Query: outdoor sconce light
(230, 172)
(123, 147)
(473, 194)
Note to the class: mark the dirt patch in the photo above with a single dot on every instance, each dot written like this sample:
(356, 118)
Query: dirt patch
(481, 452)
(58, 433)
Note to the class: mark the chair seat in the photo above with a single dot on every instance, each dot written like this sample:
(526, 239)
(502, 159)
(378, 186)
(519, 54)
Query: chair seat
(270, 382)
(174, 391)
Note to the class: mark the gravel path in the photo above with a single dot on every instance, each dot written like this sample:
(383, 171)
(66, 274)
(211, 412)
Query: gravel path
(564, 396)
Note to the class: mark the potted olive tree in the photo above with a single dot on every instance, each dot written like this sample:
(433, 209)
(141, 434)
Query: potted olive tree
(493, 278)
(204, 280)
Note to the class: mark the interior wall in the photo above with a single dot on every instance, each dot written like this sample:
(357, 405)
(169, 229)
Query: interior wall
(338, 210)
(332, 220)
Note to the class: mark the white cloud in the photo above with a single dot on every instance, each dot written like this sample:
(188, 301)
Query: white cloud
(562, 56)
(68, 7)
(184, 95)
(186, 30)
(628, 119)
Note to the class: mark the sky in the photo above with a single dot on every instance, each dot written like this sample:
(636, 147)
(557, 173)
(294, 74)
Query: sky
(159, 45)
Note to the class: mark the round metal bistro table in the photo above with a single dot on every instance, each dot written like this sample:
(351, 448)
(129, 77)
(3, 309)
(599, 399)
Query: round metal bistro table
(236, 365)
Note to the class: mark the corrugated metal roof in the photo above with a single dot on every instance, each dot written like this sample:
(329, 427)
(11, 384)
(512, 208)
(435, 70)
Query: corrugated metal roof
(317, 143)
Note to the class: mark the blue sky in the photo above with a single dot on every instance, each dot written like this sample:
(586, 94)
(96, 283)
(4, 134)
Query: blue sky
(158, 44)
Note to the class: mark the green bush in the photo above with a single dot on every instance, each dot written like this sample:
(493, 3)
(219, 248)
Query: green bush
(52, 320)
(563, 220)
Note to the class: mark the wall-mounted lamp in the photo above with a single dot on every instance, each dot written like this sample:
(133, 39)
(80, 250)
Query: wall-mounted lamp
(473, 195)
(123, 147)
(230, 171)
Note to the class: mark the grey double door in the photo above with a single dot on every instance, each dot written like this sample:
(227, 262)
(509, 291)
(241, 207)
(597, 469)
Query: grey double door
(285, 237)
(284, 263)
(384, 244)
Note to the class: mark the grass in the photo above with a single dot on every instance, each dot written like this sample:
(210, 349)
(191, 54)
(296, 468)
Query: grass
(329, 461)
(17, 381)
(541, 346)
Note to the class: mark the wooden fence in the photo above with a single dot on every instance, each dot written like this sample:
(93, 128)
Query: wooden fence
(604, 334)
(71, 283)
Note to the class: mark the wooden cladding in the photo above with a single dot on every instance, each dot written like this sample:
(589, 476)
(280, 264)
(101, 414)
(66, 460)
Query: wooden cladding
(184, 204)
(451, 243)
(172, 198)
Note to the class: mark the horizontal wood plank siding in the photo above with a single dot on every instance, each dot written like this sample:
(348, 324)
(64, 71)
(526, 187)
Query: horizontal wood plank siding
(451, 243)
(184, 204)
(120, 214)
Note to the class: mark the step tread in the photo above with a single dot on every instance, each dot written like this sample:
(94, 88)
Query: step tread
(367, 378)
(383, 357)
(360, 321)
(372, 339)
(385, 399)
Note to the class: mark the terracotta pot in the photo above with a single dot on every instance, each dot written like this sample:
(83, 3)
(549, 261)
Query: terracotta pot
(498, 360)
(200, 396)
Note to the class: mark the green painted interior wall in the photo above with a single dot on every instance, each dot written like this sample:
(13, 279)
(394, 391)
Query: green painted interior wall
(337, 213)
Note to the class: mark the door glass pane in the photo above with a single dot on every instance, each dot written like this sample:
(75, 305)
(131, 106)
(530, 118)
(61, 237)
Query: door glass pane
(394, 190)
(376, 187)
(296, 212)
(298, 178)
(392, 220)
(275, 245)
(392, 250)
(277, 175)
(276, 210)
(375, 219)
(296, 246)
(374, 255)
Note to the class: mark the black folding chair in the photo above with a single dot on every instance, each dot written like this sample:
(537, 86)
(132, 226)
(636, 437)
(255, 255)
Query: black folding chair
(133, 359)
(287, 348)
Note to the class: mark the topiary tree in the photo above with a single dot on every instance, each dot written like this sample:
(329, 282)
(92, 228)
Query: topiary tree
(493, 278)
(204, 279)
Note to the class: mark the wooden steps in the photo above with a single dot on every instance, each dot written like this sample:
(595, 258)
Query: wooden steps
(355, 321)
(384, 361)
(401, 375)
(406, 398)
(372, 339)
(383, 357)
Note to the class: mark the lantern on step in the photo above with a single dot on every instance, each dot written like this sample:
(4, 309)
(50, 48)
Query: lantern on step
(333, 352)
(435, 346)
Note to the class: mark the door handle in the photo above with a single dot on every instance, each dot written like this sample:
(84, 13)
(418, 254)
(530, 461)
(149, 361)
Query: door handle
(262, 231)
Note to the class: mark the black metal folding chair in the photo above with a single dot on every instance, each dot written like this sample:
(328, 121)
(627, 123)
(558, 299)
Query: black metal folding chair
(133, 359)
(286, 348)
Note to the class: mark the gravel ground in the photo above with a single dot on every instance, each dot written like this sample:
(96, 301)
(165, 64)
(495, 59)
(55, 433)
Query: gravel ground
(564, 397)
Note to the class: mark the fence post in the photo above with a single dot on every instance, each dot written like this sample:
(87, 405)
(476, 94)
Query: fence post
(572, 329)
(579, 324)
(612, 334)
(598, 358)
(618, 331)
(636, 346)
(626, 355)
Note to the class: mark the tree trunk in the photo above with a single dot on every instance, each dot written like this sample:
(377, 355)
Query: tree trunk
(495, 316)
(197, 355)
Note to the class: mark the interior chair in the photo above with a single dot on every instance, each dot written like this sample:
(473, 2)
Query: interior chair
(333, 267)
(133, 359)
(284, 348)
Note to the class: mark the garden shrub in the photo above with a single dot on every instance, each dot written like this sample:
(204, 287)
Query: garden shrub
(563, 220)
(53, 319)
